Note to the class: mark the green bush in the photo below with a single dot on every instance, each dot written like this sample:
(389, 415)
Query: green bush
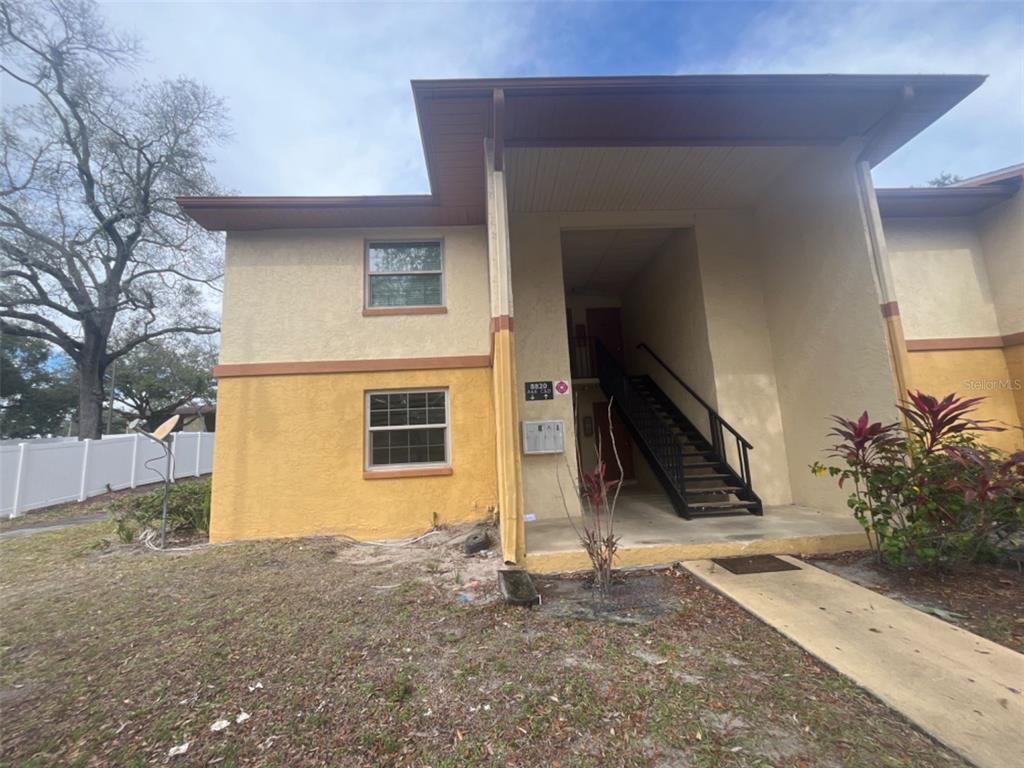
(930, 492)
(188, 509)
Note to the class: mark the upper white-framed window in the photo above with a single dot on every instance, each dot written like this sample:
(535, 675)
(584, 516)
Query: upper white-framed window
(407, 428)
(404, 274)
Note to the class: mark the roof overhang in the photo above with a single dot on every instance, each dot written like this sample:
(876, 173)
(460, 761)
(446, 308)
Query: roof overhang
(455, 116)
(1012, 174)
(248, 213)
(932, 202)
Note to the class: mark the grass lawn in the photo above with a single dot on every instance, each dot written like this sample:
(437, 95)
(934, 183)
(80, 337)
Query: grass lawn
(349, 655)
(65, 513)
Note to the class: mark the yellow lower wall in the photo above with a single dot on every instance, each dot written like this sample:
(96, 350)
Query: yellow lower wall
(290, 453)
(975, 373)
(1015, 367)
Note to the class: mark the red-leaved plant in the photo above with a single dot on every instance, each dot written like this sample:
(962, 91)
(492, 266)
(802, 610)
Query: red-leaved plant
(934, 421)
(598, 496)
(929, 491)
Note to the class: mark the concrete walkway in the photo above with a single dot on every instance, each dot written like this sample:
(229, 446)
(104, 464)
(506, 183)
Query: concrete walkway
(651, 533)
(71, 522)
(965, 691)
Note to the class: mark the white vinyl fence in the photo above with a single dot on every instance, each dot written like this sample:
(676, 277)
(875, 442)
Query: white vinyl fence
(40, 473)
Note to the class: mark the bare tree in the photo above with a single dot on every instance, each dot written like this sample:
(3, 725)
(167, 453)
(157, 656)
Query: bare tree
(598, 497)
(97, 258)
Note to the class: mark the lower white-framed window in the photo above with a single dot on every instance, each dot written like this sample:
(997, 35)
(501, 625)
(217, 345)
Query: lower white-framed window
(407, 428)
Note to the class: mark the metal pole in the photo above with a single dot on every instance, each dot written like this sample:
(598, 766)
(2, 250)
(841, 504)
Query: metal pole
(167, 487)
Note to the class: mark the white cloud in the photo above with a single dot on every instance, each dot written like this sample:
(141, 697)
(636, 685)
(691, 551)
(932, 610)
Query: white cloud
(320, 99)
(319, 93)
(983, 132)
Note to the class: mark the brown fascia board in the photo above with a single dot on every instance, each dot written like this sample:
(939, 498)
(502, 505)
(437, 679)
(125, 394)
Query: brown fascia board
(1011, 174)
(653, 83)
(934, 95)
(255, 213)
(221, 213)
(929, 202)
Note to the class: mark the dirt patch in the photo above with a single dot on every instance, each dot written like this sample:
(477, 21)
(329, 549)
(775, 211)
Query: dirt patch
(324, 652)
(983, 599)
(639, 598)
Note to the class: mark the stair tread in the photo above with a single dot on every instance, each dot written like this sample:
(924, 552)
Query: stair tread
(716, 489)
(723, 504)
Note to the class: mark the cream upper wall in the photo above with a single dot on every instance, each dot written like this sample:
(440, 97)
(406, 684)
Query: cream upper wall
(741, 347)
(664, 308)
(542, 354)
(1001, 229)
(941, 278)
(298, 295)
(822, 307)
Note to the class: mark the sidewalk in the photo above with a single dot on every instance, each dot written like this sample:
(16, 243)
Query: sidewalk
(55, 525)
(965, 691)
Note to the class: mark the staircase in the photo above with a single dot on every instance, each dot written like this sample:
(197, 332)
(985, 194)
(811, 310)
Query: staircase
(693, 468)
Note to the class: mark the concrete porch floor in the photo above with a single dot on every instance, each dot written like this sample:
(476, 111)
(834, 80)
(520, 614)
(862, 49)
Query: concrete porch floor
(652, 534)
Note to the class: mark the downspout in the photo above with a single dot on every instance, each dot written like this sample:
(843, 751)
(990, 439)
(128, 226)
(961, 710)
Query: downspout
(895, 341)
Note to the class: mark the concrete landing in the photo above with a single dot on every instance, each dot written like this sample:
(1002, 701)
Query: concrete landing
(965, 691)
(651, 533)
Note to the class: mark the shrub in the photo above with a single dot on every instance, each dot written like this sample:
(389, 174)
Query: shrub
(188, 509)
(930, 492)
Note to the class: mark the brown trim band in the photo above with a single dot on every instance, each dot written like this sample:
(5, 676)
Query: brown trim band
(890, 309)
(382, 311)
(951, 345)
(1014, 339)
(501, 323)
(232, 370)
(386, 474)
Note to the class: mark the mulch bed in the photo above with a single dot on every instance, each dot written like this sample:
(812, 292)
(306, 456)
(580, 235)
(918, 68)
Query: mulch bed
(983, 599)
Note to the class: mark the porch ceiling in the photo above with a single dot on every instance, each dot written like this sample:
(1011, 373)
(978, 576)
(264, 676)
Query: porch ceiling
(641, 178)
(601, 262)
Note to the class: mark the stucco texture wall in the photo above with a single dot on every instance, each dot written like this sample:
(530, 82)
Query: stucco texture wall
(741, 346)
(941, 279)
(1014, 356)
(290, 458)
(963, 278)
(1001, 230)
(542, 354)
(822, 308)
(664, 308)
(298, 295)
(974, 373)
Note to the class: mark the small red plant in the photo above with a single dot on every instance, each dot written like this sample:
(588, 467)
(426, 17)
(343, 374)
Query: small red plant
(933, 421)
(595, 488)
(928, 491)
(987, 479)
(863, 442)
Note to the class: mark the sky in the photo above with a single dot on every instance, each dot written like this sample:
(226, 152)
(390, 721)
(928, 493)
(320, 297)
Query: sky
(320, 101)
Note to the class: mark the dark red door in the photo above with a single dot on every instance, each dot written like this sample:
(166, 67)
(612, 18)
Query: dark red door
(605, 325)
(622, 443)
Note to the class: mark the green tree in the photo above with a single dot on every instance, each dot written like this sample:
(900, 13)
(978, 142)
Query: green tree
(96, 257)
(945, 179)
(38, 391)
(159, 377)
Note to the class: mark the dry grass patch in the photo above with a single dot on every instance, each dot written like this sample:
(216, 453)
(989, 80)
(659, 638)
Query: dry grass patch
(346, 655)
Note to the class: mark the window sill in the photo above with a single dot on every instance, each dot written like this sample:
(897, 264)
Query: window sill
(385, 474)
(383, 311)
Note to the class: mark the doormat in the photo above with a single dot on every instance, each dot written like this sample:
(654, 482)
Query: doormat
(754, 564)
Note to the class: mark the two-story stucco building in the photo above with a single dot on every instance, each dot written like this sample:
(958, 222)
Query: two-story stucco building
(707, 251)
